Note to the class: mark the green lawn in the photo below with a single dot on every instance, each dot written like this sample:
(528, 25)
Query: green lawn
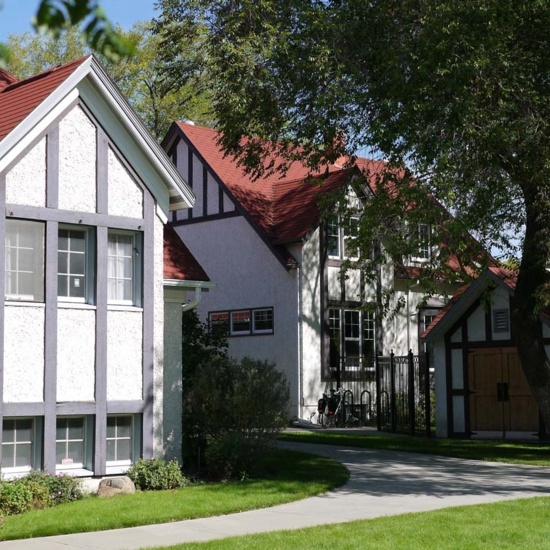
(535, 453)
(286, 476)
(517, 524)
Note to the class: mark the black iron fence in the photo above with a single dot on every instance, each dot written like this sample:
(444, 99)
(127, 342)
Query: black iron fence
(393, 392)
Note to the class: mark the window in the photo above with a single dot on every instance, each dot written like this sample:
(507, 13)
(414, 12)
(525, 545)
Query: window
(24, 260)
(75, 264)
(124, 277)
(240, 322)
(351, 334)
(262, 321)
(120, 440)
(422, 242)
(243, 322)
(18, 445)
(340, 234)
(71, 449)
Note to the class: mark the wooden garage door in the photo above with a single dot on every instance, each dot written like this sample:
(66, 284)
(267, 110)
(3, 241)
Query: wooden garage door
(500, 398)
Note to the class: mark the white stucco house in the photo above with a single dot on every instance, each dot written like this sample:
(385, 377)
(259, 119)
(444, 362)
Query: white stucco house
(277, 263)
(90, 324)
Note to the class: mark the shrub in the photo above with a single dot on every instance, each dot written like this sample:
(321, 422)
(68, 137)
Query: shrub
(35, 491)
(61, 488)
(237, 409)
(156, 475)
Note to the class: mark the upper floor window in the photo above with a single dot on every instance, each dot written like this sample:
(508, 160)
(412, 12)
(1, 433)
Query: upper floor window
(422, 243)
(124, 268)
(24, 260)
(75, 264)
(340, 235)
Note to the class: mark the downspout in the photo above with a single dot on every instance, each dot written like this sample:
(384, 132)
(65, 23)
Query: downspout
(196, 300)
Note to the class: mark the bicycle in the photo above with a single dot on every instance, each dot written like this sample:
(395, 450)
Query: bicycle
(335, 410)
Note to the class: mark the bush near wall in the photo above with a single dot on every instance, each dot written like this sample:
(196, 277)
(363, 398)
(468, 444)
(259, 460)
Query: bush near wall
(156, 475)
(37, 490)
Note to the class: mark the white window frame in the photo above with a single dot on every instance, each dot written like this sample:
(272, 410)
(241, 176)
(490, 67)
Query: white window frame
(340, 231)
(117, 278)
(366, 336)
(14, 229)
(85, 440)
(89, 264)
(423, 243)
(132, 438)
(270, 319)
(232, 322)
(35, 445)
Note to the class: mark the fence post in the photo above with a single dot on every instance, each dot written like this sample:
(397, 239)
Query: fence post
(427, 389)
(393, 404)
(378, 394)
(411, 392)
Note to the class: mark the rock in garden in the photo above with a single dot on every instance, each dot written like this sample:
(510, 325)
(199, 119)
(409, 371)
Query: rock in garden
(113, 486)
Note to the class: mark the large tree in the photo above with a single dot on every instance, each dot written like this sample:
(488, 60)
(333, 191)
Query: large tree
(139, 75)
(456, 93)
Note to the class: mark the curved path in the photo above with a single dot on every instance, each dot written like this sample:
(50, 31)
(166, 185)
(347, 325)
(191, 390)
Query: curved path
(381, 483)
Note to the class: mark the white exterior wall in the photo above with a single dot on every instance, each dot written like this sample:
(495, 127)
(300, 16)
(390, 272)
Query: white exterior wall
(23, 354)
(158, 339)
(77, 162)
(125, 195)
(311, 319)
(248, 275)
(26, 181)
(76, 354)
(124, 355)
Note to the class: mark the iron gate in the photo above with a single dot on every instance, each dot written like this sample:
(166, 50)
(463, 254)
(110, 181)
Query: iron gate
(392, 392)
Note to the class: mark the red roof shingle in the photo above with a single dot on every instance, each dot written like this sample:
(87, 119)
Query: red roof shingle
(179, 263)
(285, 207)
(20, 97)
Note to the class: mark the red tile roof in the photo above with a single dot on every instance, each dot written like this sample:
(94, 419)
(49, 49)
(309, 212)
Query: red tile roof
(179, 263)
(19, 98)
(285, 207)
(6, 78)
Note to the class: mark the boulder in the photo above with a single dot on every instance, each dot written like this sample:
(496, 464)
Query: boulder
(114, 486)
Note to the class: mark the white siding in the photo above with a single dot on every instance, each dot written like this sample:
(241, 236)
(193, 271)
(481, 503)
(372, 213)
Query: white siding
(476, 325)
(24, 354)
(77, 162)
(75, 355)
(26, 181)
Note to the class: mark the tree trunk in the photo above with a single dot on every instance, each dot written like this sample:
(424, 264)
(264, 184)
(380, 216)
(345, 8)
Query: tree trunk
(532, 279)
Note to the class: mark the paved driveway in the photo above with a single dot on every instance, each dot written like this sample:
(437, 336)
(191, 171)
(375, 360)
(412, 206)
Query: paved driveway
(381, 483)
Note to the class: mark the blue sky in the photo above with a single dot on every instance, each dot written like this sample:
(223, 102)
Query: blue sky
(15, 15)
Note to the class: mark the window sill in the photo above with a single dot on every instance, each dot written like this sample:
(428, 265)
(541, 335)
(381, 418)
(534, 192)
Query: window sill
(22, 303)
(118, 469)
(75, 472)
(74, 305)
(119, 307)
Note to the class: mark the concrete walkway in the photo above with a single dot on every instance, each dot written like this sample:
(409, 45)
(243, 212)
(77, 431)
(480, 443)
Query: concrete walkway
(381, 483)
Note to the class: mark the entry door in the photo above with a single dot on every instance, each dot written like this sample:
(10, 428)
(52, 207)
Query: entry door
(500, 398)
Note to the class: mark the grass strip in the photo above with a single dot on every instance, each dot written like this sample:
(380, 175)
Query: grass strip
(285, 476)
(513, 452)
(513, 524)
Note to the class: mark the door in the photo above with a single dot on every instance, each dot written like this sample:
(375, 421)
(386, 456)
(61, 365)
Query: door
(500, 398)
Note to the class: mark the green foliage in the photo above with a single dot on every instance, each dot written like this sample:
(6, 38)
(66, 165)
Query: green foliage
(37, 490)
(237, 408)
(156, 475)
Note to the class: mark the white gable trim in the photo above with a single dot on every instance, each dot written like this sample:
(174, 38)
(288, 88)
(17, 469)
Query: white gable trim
(90, 81)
